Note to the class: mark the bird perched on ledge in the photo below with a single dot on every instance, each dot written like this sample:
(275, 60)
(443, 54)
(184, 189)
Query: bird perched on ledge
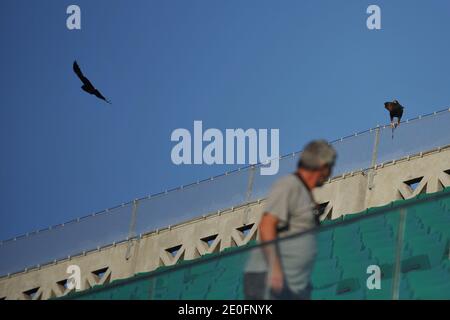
(395, 111)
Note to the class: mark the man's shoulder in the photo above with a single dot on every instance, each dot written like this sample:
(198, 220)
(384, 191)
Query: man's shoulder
(288, 181)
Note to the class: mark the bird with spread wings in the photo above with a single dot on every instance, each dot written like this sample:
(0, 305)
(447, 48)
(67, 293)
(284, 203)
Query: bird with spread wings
(87, 85)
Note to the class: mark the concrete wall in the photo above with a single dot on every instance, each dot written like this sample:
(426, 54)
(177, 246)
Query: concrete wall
(345, 194)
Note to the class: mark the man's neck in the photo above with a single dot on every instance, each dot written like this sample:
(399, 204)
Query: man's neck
(306, 177)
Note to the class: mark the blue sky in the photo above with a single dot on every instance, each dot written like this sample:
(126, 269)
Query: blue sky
(310, 68)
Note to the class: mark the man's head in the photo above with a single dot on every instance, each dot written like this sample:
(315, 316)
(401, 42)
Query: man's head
(316, 162)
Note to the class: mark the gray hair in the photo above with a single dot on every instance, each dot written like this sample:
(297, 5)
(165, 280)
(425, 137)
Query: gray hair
(316, 154)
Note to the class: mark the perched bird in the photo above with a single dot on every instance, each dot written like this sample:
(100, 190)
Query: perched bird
(87, 85)
(395, 110)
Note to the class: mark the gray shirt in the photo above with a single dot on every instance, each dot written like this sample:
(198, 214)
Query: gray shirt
(292, 203)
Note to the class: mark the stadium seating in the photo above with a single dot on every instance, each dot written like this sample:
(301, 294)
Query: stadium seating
(344, 253)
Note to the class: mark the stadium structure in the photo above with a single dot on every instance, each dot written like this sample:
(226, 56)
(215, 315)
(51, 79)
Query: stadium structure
(387, 204)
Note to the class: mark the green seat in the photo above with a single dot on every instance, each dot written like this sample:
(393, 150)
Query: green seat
(328, 293)
(222, 293)
(349, 289)
(325, 273)
(234, 260)
(377, 235)
(353, 245)
(436, 221)
(197, 289)
(427, 277)
(354, 295)
(165, 293)
(196, 276)
(438, 292)
(436, 252)
(358, 271)
(445, 264)
(416, 238)
(446, 202)
(376, 220)
(384, 293)
(443, 230)
(393, 219)
(430, 284)
(325, 236)
(373, 227)
(386, 290)
(356, 267)
(379, 246)
(346, 230)
(324, 252)
(415, 263)
(383, 255)
(203, 267)
(346, 257)
(230, 278)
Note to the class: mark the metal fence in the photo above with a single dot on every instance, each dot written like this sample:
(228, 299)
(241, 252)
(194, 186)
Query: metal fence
(356, 152)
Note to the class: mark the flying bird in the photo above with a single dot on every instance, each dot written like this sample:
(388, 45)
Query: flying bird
(87, 85)
(395, 111)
